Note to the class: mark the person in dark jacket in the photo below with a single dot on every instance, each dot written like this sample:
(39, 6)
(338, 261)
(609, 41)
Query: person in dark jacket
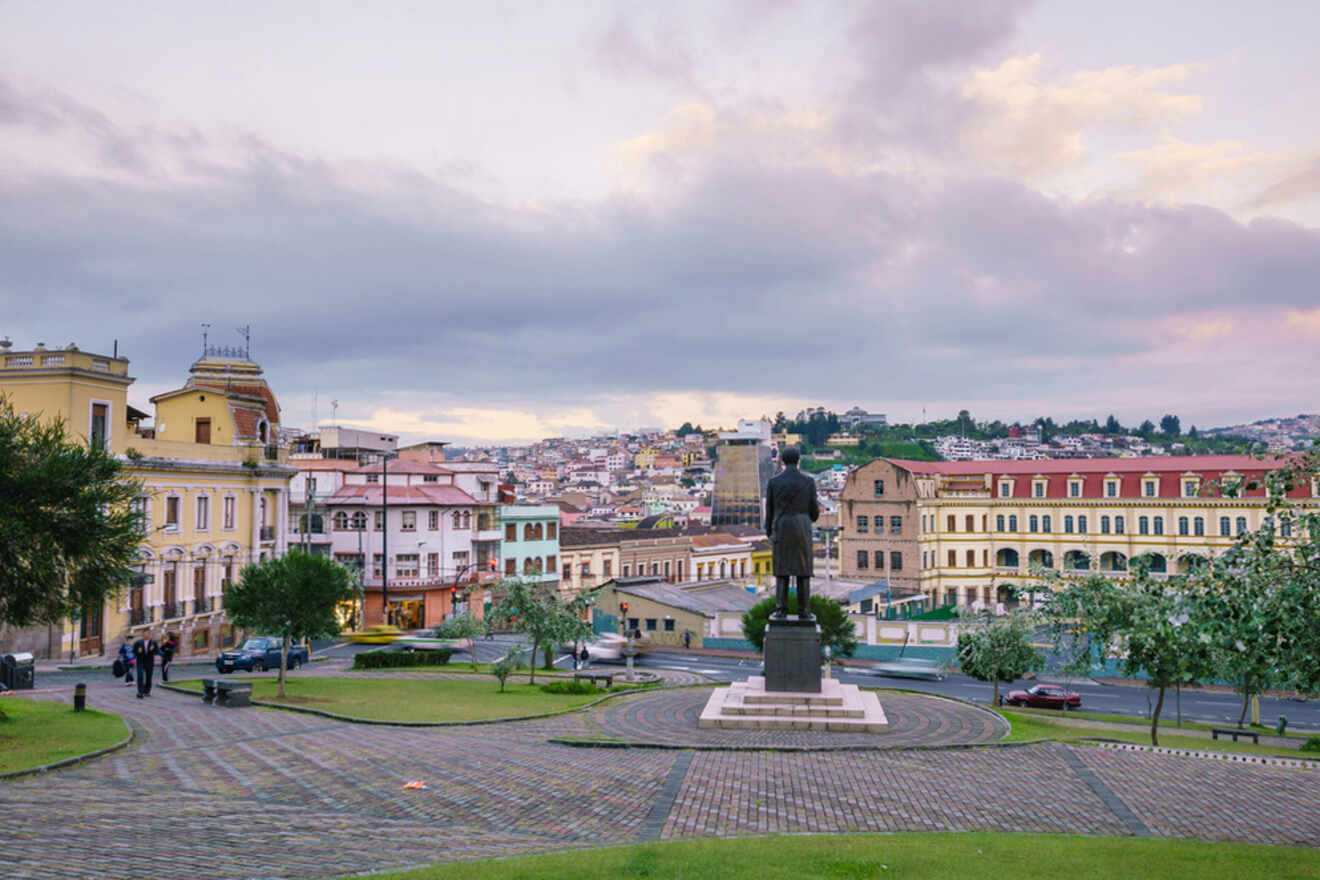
(126, 661)
(790, 509)
(145, 650)
(167, 649)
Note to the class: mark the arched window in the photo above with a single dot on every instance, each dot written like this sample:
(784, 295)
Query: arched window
(1043, 558)
(1045, 523)
(1068, 524)
(1118, 525)
(1159, 525)
(1285, 527)
(724, 569)
(539, 532)
(1081, 525)
(341, 520)
(999, 522)
(1104, 525)
(529, 534)
(1012, 523)
(1143, 525)
(1034, 523)
(1225, 527)
(1113, 561)
(1158, 564)
(467, 519)
(1006, 558)
(359, 519)
(1076, 560)
(1198, 526)
(1183, 525)
(1241, 525)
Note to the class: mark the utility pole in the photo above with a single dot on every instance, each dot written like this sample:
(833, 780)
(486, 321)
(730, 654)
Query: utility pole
(384, 540)
(307, 514)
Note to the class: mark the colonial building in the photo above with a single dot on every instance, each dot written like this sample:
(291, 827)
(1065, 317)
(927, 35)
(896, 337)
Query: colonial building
(720, 557)
(976, 531)
(213, 476)
(530, 549)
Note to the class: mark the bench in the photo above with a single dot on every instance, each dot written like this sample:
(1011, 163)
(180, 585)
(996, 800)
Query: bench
(595, 677)
(223, 692)
(1234, 732)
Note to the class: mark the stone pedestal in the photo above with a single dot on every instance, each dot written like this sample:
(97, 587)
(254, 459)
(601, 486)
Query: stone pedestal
(792, 656)
(747, 705)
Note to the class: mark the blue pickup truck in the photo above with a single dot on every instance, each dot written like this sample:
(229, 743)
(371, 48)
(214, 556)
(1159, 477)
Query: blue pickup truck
(260, 653)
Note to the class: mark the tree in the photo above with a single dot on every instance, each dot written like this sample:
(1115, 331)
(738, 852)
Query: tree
(1170, 425)
(293, 596)
(836, 631)
(68, 533)
(504, 667)
(465, 627)
(998, 649)
(1147, 429)
(542, 615)
(1112, 426)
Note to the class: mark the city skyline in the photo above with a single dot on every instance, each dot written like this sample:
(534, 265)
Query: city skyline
(503, 224)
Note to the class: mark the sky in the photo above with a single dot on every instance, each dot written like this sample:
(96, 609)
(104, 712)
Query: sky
(500, 221)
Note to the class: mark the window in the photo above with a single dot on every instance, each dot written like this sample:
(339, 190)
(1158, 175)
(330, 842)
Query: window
(1285, 527)
(433, 565)
(510, 532)
(511, 567)
(999, 522)
(1118, 525)
(863, 559)
(1033, 523)
(1005, 490)
(971, 558)
(655, 568)
(1143, 525)
(586, 569)
(1045, 523)
(1198, 526)
(375, 564)
(1225, 526)
(1012, 522)
(551, 564)
(1189, 488)
(359, 520)
(433, 519)
(1075, 489)
(896, 525)
(1149, 488)
(953, 558)
(879, 560)
(1159, 525)
(340, 520)
(669, 624)
(1038, 489)
(862, 523)
(1241, 525)
(895, 560)
(529, 533)
(373, 478)
(552, 531)
(567, 574)
(1104, 525)
(970, 522)
(626, 569)
(1111, 488)
(1183, 526)
(953, 523)
(405, 565)
(1081, 525)
(230, 508)
(879, 488)
(172, 513)
(652, 624)
(1068, 524)
(202, 431)
(142, 510)
(409, 520)
(430, 478)
(379, 518)
(96, 437)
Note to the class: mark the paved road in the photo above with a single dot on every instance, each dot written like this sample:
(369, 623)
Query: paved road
(1218, 708)
(263, 793)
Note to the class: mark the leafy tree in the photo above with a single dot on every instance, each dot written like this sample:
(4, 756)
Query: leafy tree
(1147, 429)
(1170, 425)
(542, 615)
(998, 649)
(1193, 434)
(464, 627)
(69, 533)
(293, 596)
(685, 429)
(836, 631)
(504, 667)
(1112, 426)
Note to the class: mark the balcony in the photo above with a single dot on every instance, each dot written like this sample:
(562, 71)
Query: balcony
(140, 616)
(203, 605)
(267, 533)
(171, 610)
(272, 453)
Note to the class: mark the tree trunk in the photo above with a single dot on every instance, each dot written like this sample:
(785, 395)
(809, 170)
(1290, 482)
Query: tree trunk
(996, 698)
(531, 664)
(284, 662)
(1246, 703)
(1155, 718)
(549, 653)
(472, 653)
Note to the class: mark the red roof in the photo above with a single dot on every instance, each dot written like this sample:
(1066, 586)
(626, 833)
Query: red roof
(370, 495)
(405, 466)
(324, 464)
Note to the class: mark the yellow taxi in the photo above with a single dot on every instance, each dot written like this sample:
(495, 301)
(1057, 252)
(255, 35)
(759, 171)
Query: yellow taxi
(380, 634)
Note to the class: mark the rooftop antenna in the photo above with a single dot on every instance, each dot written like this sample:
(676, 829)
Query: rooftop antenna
(315, 402)
(246, 333)
(334, 412)
(205, 329)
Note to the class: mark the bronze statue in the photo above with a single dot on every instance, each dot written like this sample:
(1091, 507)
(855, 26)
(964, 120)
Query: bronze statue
(790, 509)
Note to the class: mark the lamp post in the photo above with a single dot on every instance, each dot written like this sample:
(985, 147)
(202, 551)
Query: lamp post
(384, 540)
(628, 646)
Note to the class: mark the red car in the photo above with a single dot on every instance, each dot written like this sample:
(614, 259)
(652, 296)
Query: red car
(1045, 696)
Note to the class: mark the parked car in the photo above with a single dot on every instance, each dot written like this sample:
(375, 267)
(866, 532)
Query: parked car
(380, 634)
(260, 653)
(610, 646)
(1045, 696)
(907, 667)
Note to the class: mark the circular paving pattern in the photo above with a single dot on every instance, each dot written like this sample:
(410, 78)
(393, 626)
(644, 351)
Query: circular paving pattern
(671, 718)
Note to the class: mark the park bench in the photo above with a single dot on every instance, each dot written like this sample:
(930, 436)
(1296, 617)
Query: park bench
(1234, 732)
(596, 677)
(223, 692)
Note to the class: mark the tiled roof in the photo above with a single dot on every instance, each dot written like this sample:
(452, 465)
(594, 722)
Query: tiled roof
(706, 601)
(370, 495)
(405, 466)
(260, 391)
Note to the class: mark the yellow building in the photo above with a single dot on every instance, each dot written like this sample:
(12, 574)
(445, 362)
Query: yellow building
(971, 532)
(213, 479)
(645, 459)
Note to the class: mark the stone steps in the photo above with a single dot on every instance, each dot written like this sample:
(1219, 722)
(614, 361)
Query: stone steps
(749, 706)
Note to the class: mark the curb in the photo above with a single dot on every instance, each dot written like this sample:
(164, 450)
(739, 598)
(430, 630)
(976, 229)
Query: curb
(376, 722)
(76, 759)
(1234, 757)
(727, 747)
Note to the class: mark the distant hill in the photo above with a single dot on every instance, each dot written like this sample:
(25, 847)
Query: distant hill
(1292, 432)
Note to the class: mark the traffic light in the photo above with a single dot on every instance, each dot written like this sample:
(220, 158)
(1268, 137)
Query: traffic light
(623, 608)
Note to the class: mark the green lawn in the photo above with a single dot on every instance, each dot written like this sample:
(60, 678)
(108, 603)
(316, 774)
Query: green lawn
(36, 732)
(411, 699)
(1033, 726)
(927, 856)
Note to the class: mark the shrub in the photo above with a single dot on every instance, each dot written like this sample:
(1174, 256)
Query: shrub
(502, 669)
(390, 659)
(1312, 744)
(569, 687)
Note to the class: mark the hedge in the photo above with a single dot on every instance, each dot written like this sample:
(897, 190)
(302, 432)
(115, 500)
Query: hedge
(389, 659)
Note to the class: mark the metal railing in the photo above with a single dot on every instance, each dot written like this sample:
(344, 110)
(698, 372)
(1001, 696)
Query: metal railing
(272, 453)
(171, 610)
(203, 605)
(139, 616)
(268, 533)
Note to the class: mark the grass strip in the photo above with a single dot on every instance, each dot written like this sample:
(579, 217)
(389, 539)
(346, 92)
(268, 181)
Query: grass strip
(925, 855)
(1032, 726)
(37, 732)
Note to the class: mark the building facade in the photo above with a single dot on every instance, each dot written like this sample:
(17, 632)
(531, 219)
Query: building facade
(743, 468)
(530, 548)
(984, 530)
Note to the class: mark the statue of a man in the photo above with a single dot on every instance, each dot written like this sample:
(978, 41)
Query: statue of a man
(790, 509)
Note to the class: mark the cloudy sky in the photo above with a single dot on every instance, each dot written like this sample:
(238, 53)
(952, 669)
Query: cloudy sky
(507, 220)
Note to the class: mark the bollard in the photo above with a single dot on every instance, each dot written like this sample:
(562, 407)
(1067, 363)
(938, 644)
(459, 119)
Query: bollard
(1281, 725)
(79, 697)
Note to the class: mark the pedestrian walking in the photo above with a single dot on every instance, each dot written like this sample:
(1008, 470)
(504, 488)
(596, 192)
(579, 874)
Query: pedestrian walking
(145, 651)
(124, 662)
(687, 639)
(167, 649)
(584, 655)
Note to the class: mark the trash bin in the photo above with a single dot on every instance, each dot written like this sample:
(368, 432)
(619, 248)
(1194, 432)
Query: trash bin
(17, 671)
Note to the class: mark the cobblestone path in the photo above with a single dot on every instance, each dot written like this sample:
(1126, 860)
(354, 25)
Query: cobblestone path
(208, 792)
(671, 717)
